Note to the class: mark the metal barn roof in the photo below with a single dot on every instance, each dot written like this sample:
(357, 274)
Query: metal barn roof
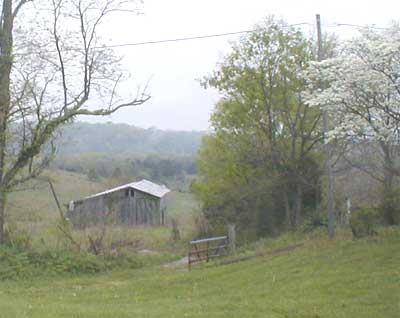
(150, 188)
(145, 186)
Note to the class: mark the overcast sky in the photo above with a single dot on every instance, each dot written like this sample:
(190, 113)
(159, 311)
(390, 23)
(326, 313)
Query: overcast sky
(173, 69)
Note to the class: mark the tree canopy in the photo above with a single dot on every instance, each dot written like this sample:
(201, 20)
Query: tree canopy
(259, 163)
(362, 95)
(362, 86)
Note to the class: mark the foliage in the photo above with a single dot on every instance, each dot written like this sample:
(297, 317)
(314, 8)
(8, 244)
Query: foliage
(362, 93)
(123, 168)
(363, 222)
(21, 262)
(315, 221)
(18, 264)
(175, 233)
(259, 169)
(232, 190)
(17, 238)
(362, 87)
(53, 66)
(19, 259)
(201, 226)
(391, 206)
(92, 174)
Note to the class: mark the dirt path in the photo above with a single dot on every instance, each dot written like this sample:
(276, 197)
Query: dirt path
(178, 264)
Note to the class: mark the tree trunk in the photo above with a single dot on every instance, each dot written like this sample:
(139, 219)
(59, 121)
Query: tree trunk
(298, 204)
(6, 42)
(2, 216)
(387, 197)
(288, 211)
(388, 191)
(329, 192)
(388, 208)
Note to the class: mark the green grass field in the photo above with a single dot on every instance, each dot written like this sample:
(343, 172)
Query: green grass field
(34, 211)
(295, 275)
(35, 202)
(319, 278)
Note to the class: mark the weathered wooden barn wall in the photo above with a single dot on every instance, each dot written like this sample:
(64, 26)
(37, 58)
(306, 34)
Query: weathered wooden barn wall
(125, 206)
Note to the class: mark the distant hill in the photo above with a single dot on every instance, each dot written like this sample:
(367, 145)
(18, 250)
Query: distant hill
(81, 137)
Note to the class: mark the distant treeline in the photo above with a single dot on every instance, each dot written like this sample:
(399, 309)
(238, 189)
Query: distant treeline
(81, 137)
(127, 167)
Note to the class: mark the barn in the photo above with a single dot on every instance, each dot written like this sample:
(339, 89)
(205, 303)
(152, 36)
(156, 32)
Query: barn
(136, 203)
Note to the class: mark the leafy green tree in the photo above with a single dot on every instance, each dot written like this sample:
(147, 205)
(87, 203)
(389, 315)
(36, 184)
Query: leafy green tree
(92, 174)
(264, 133)
(234, 189)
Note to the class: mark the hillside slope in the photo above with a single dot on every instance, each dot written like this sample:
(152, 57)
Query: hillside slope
(341, 278)
(35, 202)
(33, 211)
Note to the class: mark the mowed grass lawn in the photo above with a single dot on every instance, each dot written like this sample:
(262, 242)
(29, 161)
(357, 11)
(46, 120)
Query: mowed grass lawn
(343, 278)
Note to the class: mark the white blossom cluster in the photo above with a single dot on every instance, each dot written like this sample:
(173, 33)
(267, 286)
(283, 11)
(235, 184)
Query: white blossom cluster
(360, 88)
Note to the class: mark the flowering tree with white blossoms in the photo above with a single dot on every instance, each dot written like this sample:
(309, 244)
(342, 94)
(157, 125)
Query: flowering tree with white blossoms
(362, 96)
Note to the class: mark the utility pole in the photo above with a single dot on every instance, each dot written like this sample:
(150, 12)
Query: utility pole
(327, 149)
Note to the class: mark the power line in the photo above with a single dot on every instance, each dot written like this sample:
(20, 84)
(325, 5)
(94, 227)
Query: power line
(356, 26)
(190, 38)
(199, 37)
(174, 40)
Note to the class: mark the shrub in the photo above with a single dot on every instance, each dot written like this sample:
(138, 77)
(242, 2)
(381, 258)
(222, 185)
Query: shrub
(314, 221)
(17, 238)
(17, 264)
(390, 208)
(201, 226)
(175, 233)
(363, 222)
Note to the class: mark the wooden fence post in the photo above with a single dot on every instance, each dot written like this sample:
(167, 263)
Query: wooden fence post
(189, 257)
(231, 238)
